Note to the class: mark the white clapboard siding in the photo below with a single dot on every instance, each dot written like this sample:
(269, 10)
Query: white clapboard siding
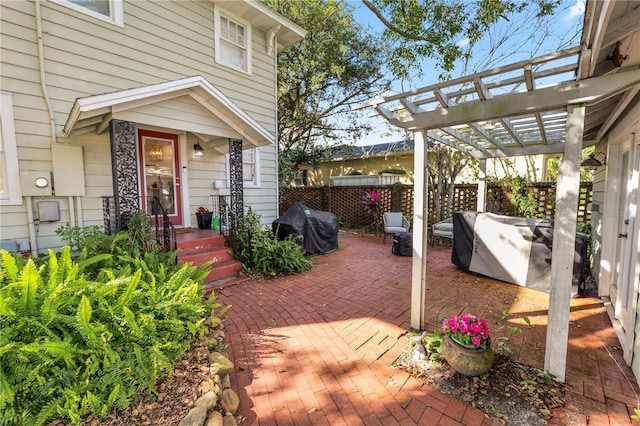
(84, 56)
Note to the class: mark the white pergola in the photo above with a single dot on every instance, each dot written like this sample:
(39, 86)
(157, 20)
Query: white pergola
(546, 105)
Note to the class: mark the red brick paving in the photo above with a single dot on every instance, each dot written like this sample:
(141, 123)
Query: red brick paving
(317, 348)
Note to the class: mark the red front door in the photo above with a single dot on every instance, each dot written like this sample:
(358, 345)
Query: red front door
(160, 177)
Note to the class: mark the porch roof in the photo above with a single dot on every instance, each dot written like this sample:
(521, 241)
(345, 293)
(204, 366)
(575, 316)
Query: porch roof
(93, 113)
(521, 108)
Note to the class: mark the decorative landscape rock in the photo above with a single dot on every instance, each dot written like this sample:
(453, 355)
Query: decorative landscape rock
(208, 400)
(225, 382)
(202, 353)
(214, 419)
(229, 401)
(220, 364)
(229, 420)
(196, 417)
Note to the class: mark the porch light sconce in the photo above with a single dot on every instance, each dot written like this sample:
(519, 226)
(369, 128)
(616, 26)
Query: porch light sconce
(155, 152)
(593, 163)
(198, 151)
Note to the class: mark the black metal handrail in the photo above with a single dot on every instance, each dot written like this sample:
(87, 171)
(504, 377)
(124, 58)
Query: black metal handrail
(165, 234)
(228, 222)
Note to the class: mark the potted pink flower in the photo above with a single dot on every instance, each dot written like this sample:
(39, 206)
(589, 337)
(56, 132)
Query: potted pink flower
(466, 344)
(467, 330)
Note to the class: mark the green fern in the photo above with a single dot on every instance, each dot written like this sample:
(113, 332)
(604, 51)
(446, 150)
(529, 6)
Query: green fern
(78, 337)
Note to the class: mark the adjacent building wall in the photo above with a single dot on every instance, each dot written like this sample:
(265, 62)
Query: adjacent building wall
(532, 168)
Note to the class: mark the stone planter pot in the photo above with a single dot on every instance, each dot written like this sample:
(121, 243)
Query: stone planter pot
(466, 361)
(204, 220)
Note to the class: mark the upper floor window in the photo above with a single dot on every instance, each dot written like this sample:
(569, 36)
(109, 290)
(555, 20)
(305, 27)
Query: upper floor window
(232, 41)
(107, 10)
(9, 171)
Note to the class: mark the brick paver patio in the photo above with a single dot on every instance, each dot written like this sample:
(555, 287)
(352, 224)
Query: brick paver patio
(317, 348)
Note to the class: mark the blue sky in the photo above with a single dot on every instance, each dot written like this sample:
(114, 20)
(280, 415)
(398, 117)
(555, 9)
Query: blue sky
(563, 28)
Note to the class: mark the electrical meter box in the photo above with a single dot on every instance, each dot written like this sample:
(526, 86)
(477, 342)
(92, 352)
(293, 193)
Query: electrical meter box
(68, 170)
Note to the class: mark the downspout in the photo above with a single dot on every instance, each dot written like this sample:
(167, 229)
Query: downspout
(273, 48)
(43, 75)
(43, 86)
(47, 100)
(72, 217)
(33, 241)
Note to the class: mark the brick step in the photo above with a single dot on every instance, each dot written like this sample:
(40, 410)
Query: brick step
(222, 283)
(202, 243)
(202, 247)
(201, 256)
(222, 270)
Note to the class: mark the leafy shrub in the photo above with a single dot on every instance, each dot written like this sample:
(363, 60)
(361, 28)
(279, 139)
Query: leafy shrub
(393, 171)
(522, 197)
(70, 344)
(141, 234)
(91, 237)
(261, 253)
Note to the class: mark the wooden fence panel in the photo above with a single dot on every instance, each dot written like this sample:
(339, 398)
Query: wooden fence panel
(347, 201)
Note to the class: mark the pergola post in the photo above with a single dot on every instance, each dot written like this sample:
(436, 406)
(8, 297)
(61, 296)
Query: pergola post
(481, 201)
(420, 228)
(564, 239)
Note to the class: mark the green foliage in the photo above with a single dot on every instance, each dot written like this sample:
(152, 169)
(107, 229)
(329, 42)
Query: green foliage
(503, 341)
(528, 385)
(415, 30)
(433, 344)
(75, 340)
(262, 254)
(91, 237)
(140, 231)
(338, 64)
(355, 173)
(393, 171)
(521, 195)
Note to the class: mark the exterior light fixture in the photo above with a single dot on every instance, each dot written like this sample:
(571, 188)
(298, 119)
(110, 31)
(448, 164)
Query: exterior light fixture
(593, 163)
(155, 152)
(198, 151)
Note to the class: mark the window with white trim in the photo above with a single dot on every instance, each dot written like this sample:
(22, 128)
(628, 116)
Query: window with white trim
(107, 10)
(232, 41)
(9, 171)
(250, 167)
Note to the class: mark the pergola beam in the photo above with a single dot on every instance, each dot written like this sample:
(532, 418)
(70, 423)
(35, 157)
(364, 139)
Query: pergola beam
(620, 106)
(622, 27)
(489, 73)
(541, 100)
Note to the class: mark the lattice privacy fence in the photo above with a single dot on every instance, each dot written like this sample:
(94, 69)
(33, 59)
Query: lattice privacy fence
(347, 201)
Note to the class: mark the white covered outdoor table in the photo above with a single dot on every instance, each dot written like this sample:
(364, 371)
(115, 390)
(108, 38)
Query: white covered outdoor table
(511, 249)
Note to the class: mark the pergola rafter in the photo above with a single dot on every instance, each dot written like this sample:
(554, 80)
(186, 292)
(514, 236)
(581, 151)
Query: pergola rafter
(512, 110)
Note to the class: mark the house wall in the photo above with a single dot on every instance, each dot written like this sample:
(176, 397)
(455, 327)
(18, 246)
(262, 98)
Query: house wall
(160, 41)
(603, 224)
